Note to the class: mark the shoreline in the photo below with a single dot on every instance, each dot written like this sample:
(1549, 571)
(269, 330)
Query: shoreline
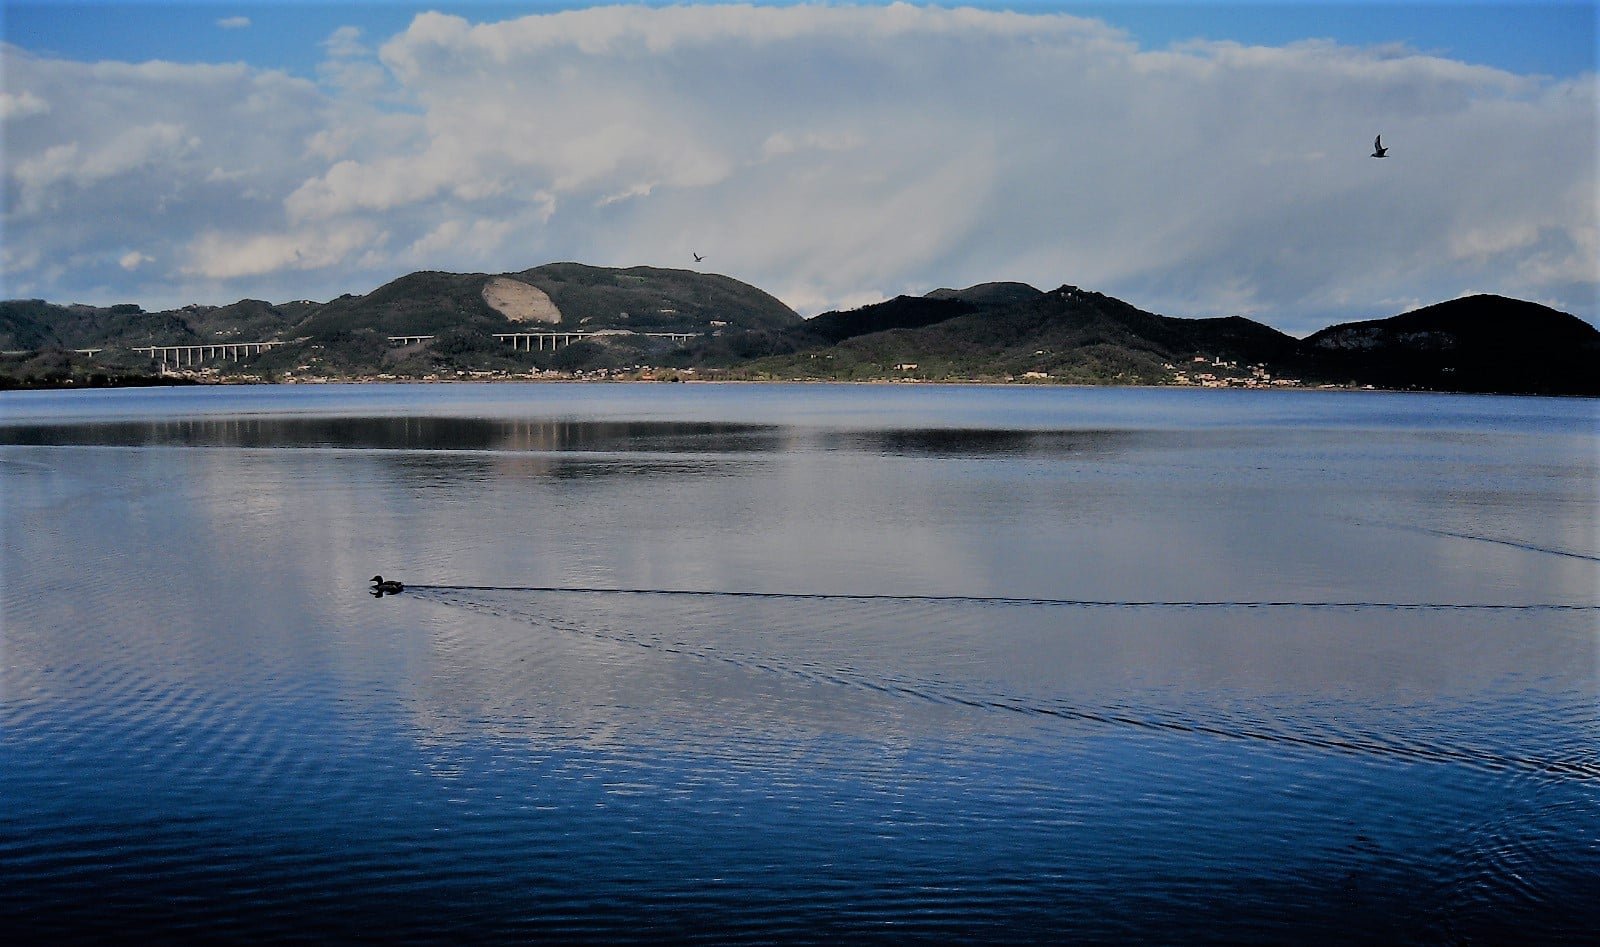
(192, 382)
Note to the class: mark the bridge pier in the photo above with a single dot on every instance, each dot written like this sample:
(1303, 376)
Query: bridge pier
(187, 356)
(537, 341)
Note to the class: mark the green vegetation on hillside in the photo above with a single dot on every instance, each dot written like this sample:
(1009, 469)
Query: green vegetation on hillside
(652, 322)
(647, 298)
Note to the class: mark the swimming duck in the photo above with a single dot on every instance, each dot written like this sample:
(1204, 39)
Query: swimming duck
(393, 586)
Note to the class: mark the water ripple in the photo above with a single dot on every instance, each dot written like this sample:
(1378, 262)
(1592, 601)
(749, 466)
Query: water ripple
(1221, 725)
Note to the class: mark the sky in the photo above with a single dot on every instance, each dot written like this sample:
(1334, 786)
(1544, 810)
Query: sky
(1194, 159)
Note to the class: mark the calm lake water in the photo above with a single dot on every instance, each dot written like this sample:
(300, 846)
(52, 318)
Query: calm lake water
(799, 663)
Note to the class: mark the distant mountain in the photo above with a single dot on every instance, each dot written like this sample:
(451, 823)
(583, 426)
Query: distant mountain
(459, 313)
(1476, 343)
(650, 298)
(569, 296)
(913, 312)
(901, 312)
(991, 331)
(36, 324)
(1479, 343)
(1009, 330)
(990, 294)
(247, 320)
(424, 303)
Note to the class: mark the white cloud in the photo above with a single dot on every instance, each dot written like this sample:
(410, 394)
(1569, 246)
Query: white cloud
(458, 241)
(830, 155)
(133, 259)
(225, 255)
(21, 105)
(234, 22)
(345, 43)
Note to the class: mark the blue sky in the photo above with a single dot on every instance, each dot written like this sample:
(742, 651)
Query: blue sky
(1192, 158)
(1520, 35)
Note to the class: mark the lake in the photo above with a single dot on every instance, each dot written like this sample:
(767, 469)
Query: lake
(757, 663)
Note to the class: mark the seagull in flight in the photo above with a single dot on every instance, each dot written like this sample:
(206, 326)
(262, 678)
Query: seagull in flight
(1378, 151)
(697, 257)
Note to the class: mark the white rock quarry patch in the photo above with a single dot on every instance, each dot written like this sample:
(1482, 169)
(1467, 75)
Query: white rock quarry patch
(520, 302)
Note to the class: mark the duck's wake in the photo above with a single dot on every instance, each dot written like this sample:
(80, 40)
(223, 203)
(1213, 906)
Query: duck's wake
(1268, 729)
(1025, 600)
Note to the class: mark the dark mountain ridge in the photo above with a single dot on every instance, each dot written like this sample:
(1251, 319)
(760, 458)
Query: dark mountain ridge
(990, 294)
(429, 321)
(1068, 334)
(901, 312)
(653, 298)
(1477, 343)
(572, 296)
(450, 319)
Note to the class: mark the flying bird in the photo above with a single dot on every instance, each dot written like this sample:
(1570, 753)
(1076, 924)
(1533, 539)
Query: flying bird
(697, 257)
(1378, 151)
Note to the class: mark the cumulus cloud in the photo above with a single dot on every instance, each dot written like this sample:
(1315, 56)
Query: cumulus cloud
(149, 155)
(831, 155)
(460, 241)
(69, 167)
(21, 105)
(222, 255)
(345, 43)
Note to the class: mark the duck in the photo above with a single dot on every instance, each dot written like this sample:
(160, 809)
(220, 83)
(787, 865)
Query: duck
(392, 587)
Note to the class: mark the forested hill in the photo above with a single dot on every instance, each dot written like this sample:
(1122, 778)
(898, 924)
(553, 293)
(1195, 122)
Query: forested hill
(1069, 334)
(433, 324)
(1477, 343)
(558, 296)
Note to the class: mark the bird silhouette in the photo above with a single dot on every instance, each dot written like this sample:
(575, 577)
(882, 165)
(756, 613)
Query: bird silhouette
(1378, 151)
(697, 257)
(392, 587)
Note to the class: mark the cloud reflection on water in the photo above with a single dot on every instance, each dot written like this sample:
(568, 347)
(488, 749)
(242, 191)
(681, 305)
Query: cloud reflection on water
(187, 611)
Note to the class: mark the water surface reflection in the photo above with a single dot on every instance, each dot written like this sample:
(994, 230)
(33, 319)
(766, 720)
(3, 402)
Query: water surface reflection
(969, 665)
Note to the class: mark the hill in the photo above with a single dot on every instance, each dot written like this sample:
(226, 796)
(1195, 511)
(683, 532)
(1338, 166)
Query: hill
(913, 312)
(990, 294)
(1476, 343)
(647, 298)
(453, 318)
(568, 296)
(435, 324)
(1069, 334)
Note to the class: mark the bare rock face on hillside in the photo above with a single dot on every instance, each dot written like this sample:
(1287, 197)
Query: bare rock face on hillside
(520, 302)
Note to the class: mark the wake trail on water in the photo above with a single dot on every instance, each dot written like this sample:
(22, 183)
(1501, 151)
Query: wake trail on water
(472, 598)
(1020, 600)
(1496, 540)
(1515, 544)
